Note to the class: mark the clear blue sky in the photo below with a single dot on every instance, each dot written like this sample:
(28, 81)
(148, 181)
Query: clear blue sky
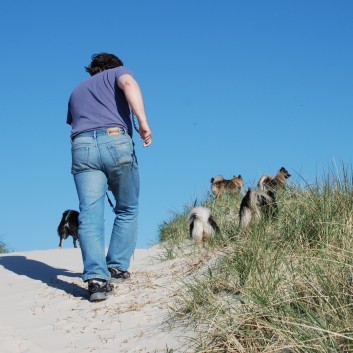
(230, 87)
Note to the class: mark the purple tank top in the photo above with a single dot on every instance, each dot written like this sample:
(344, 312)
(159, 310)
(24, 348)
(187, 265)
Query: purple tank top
(99, 103)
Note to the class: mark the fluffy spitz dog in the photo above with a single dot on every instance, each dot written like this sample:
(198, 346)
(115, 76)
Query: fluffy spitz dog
(220, 185)
(269, 183)
(68, 226)
(202, 225)
(256, 204)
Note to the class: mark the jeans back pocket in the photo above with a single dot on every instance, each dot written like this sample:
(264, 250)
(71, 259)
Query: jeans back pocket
(121, 152)
(80, 155)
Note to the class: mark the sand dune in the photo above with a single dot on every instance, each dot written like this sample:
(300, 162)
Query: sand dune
(44, 306)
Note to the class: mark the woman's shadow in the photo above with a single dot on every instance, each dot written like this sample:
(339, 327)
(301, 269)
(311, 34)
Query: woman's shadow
(42, 272)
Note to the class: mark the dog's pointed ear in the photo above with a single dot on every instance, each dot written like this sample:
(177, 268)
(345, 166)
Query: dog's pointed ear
(240, 177)
(212, 180)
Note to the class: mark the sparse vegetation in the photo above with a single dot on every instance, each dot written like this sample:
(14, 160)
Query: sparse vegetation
(3, 248)
(284, 285)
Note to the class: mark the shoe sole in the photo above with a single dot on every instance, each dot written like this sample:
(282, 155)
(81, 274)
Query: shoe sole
(119, 280)
(100, 296)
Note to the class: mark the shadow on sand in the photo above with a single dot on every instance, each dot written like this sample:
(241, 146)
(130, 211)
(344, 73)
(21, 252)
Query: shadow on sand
(40, 271)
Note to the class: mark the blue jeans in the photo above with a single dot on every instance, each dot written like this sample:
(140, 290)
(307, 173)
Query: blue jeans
(98, 160)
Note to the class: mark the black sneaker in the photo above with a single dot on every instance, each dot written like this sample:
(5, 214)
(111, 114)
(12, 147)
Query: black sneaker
(118, 276)
(99, 290)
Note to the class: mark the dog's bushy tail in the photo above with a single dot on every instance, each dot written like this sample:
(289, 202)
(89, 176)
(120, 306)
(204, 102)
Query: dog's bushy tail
(263, 183)
(245, 212)
(202, 225)
(256, 203)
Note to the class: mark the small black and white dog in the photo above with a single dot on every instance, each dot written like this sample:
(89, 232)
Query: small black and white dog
(68, 226)
(202, 225)
(256, 204)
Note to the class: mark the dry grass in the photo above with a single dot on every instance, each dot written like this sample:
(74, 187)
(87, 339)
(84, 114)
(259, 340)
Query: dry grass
(285, 285)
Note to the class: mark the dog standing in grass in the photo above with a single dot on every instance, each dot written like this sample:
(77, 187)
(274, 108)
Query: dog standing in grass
(256, 204)
(269, 183)
(220, 185)
(202, 225)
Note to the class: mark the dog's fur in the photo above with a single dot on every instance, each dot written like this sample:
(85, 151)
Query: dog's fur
(202, 225)
(256, 204)
(68, 226)
(269, 183)
(220, 185)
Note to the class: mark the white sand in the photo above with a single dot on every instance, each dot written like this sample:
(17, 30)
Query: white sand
(44, 306)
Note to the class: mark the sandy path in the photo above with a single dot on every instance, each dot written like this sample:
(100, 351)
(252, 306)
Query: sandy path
(44, 306)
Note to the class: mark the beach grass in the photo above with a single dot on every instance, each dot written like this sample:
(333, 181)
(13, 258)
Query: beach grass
(283, 285)
(3, 247)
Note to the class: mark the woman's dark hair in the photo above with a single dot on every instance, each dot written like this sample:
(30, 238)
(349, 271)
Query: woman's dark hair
(101, 62)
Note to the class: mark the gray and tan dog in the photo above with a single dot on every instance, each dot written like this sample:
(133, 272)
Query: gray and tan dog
(270, 183)
(219, 185)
